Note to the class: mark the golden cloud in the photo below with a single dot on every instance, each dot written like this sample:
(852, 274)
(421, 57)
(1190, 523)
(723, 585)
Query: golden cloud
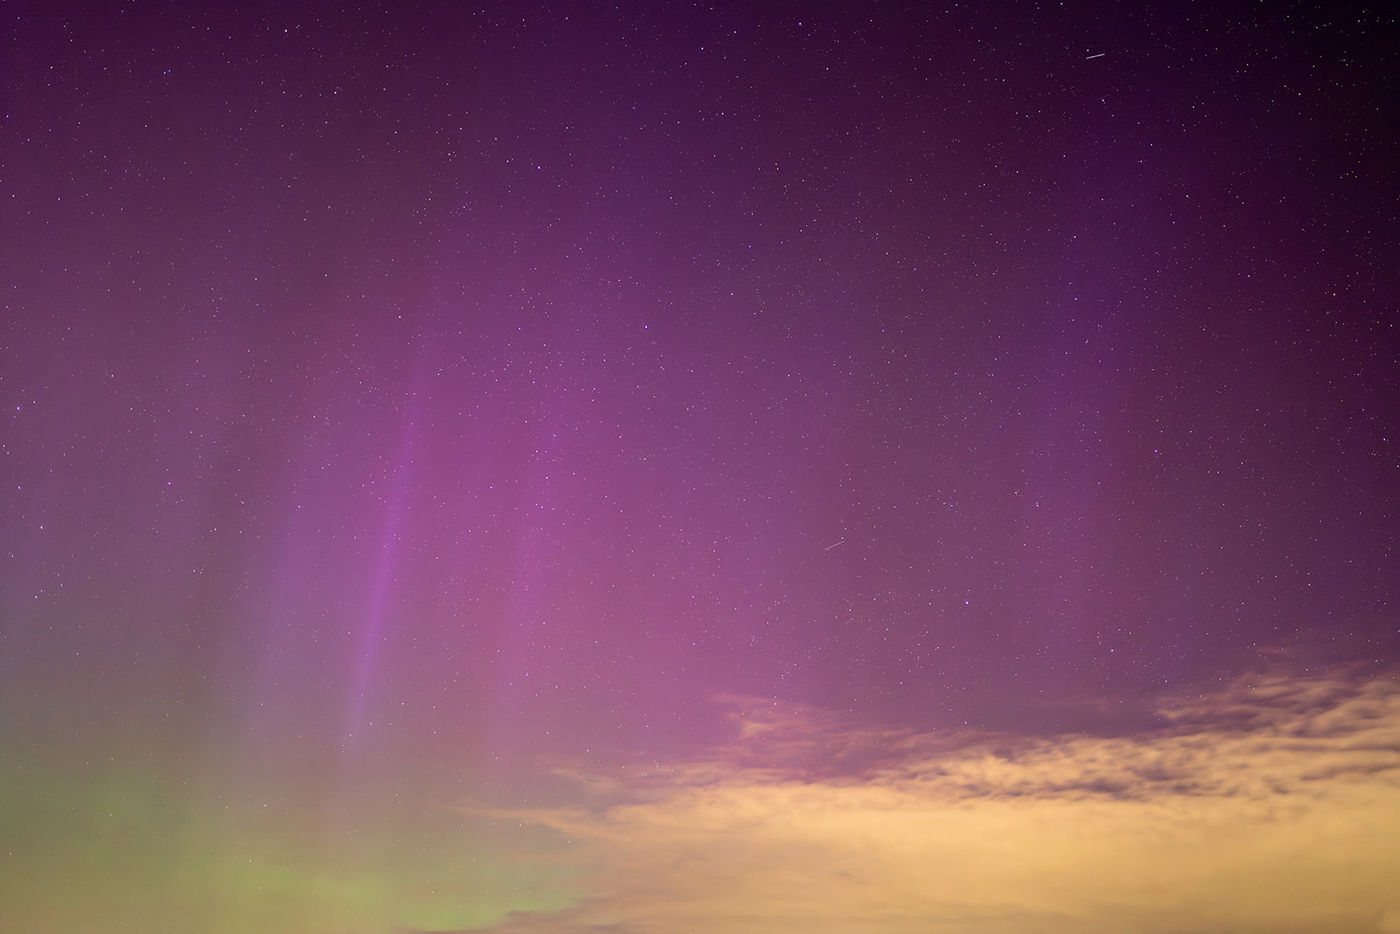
(1270, 806)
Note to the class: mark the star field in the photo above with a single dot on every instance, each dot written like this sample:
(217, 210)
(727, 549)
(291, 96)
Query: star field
(413, 415)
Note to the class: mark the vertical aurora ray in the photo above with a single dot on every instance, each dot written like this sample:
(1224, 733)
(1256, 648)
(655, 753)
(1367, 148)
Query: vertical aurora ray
(715, 467)
(537, 555)
(381, 581)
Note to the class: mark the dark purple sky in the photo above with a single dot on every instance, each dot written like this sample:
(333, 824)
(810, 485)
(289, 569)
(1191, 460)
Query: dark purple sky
(476, 387)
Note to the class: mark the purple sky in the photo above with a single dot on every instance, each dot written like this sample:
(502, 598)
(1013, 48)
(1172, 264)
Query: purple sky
(418, 398)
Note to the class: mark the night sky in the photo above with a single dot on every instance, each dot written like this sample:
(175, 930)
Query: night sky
(667, 467)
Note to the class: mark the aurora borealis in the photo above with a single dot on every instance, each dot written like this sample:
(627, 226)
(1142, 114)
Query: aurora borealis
(687, 467)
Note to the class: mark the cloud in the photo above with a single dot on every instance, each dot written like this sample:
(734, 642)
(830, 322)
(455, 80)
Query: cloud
(1270, 806)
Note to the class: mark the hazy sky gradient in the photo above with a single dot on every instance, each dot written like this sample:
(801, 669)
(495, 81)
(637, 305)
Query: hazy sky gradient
(424, 428)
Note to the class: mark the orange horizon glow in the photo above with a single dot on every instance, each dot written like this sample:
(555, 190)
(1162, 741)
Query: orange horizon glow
(1273, 805)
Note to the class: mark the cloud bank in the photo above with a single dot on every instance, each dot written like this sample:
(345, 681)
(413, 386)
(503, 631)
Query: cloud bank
(1270, 806)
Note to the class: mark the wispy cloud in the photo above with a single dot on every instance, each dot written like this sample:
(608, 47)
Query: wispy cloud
(1271, 805)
